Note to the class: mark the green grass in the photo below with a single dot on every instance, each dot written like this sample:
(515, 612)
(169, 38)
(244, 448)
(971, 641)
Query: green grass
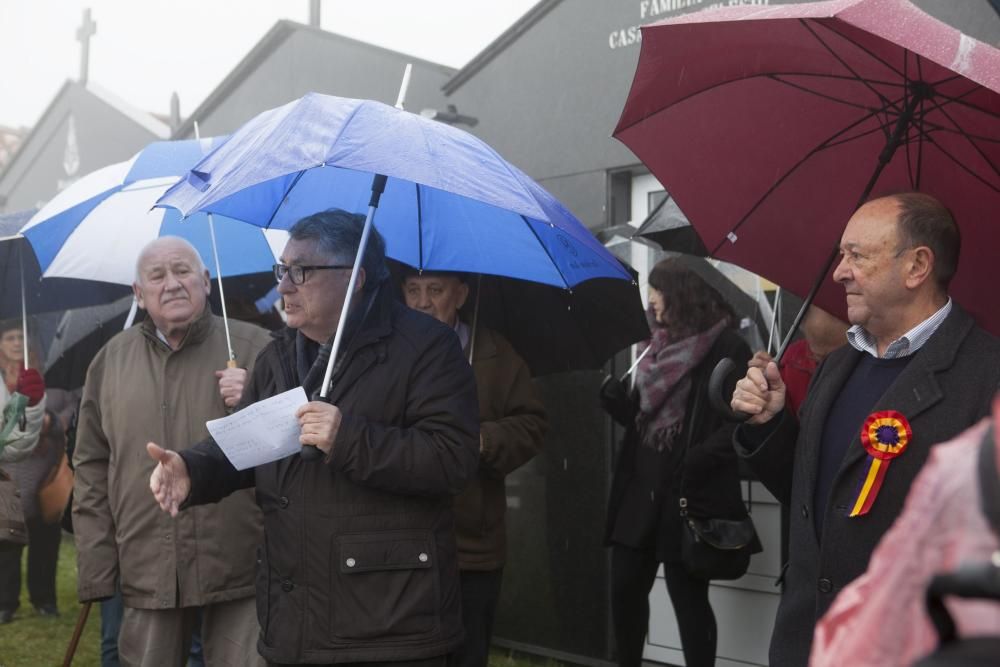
(504, 658)
(37, 641)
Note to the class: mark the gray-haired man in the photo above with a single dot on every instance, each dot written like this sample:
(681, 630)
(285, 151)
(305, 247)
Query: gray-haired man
(359, 559)
(156, 381)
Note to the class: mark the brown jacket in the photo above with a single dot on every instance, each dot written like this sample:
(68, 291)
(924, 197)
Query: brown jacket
(512, 425)
(139, 390)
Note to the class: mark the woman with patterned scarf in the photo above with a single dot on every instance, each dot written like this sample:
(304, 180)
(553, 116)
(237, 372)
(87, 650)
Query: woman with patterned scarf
(26, 462)
(675, 446)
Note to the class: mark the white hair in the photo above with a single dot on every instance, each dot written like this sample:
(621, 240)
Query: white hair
(200, 264)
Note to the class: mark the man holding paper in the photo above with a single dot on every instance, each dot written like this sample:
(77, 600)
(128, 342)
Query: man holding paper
(157, 380)
(359, 559)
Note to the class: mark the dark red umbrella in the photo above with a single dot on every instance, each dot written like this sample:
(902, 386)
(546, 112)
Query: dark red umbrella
(769, 126)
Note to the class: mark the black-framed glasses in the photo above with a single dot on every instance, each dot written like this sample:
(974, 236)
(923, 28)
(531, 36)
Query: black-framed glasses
(298, 274)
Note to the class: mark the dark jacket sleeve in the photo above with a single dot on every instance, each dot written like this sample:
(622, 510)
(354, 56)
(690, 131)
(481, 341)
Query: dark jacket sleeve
(619, 403)
(514, 439)
(213, 477)
(436, 451)
(769, 450)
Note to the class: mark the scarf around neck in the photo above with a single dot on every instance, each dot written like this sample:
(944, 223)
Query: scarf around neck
(664, 383)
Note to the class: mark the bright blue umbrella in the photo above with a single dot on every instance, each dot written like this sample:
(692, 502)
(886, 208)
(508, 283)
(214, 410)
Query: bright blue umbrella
(450, 201)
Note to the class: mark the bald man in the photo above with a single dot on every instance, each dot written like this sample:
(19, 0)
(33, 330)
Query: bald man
(917, 371)
(158, 381)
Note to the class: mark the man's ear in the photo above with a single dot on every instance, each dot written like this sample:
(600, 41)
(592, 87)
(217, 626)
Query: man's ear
(463, 293)
(361, 280)
(137, 293)
(920, 267)
(208, 283)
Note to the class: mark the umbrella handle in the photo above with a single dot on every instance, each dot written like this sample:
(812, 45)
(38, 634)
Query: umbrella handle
(716, 386)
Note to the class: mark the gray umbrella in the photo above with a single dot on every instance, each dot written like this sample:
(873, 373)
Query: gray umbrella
(78, 336)
(667, 227)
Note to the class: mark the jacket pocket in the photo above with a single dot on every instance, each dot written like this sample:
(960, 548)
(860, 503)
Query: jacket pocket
(385, 586)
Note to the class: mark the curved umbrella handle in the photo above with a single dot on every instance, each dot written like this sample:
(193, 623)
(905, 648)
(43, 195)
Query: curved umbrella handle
(311, 453)
(716, 386)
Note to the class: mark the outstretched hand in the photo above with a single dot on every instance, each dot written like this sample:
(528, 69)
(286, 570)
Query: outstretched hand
(760, 394)
(170, 482)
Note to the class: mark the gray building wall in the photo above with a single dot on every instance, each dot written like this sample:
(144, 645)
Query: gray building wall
(303, 60)
(547, 95)
(104, 133)
(549, 98)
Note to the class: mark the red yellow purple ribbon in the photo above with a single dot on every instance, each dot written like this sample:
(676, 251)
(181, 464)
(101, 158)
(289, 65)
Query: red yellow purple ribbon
(885, 435)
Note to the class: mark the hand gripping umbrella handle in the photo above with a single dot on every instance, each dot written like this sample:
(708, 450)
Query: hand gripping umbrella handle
(311, 452)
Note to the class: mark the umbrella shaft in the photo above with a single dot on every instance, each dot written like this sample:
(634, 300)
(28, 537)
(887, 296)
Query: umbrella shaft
(24, 307)
(805, 304)
(917, 94)
(338, 337)
(222, 294)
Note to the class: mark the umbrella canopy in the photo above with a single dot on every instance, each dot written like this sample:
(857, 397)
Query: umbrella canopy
(450, 202)
(95, 228)
(17, 262)
(668, 227)
(801, 111)
(556, 330)
(79, 335)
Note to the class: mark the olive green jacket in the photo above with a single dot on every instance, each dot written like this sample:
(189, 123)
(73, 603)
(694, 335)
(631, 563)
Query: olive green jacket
(139, 390)
(512, 423)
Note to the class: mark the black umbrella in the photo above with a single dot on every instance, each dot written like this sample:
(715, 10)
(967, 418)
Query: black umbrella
(752, 324)
(78, 336)
(553, 329)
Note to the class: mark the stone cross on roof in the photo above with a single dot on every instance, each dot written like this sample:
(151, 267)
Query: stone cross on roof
(83, 34)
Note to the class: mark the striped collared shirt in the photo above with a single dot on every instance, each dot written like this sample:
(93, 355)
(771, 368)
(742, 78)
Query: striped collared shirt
(861, 340)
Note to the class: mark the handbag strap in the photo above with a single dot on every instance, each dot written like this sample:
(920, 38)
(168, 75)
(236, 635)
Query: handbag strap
(699, 390)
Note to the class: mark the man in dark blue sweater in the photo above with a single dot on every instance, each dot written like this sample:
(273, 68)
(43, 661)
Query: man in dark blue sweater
(917, 372)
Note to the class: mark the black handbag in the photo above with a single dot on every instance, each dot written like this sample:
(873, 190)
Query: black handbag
(716, 548)
(713, 548)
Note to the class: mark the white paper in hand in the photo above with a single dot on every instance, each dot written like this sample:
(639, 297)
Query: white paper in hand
(262, 432)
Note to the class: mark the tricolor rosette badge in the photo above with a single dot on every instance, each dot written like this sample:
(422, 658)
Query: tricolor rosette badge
(884, 435)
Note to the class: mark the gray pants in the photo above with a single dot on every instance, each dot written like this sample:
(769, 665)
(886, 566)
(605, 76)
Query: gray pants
(162, 637)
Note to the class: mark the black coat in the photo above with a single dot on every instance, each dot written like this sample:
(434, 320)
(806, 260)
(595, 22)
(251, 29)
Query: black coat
(359, 562)
(945, 388)
(709, 471)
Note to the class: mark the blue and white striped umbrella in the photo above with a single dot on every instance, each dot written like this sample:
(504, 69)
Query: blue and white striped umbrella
(95, 228)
